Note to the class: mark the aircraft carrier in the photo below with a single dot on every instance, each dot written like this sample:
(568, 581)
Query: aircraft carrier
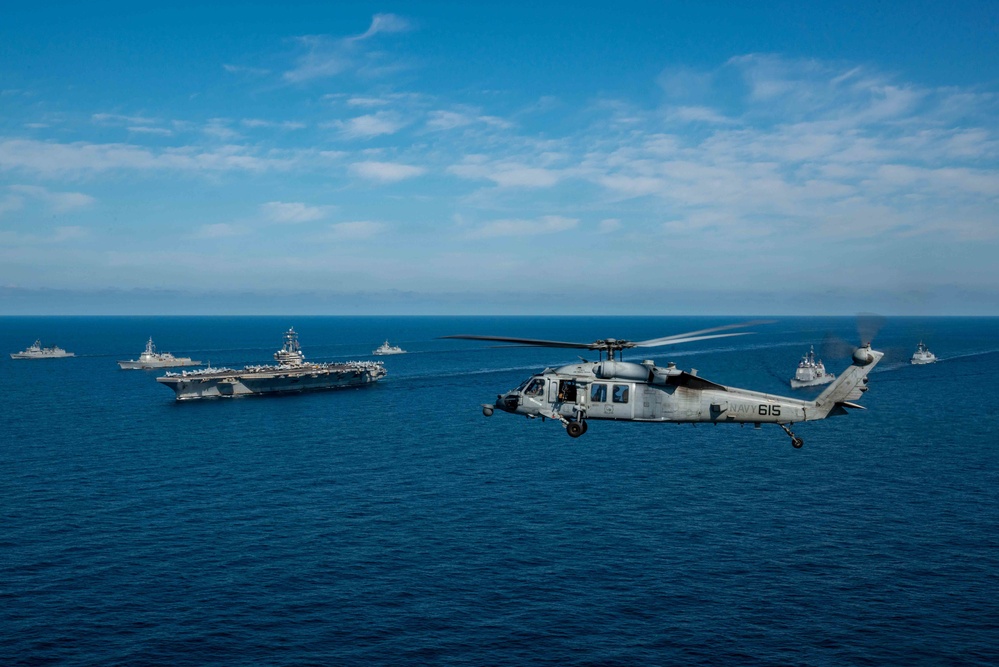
(291, 374)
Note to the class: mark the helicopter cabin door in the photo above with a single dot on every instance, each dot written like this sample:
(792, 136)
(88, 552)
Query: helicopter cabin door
(611, 400)
(567, 395)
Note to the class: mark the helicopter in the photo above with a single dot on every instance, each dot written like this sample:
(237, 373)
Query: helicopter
(614, 389)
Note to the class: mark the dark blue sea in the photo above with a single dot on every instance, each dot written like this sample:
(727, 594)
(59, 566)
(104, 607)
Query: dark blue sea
(395, 525)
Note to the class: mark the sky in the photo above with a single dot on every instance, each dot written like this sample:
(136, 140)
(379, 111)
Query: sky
(463, 158)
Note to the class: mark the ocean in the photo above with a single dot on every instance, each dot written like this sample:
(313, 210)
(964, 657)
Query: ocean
(395, 524)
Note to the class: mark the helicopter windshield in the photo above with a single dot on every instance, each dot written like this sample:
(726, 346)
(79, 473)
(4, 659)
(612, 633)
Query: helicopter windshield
(535, 387)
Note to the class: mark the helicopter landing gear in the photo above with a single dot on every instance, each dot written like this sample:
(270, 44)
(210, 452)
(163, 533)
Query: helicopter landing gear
(796, 442)
(576, 428)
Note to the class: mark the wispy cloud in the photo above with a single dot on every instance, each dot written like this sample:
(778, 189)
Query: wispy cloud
(141, 129)
(354, 230)
(326, 57)
(121, 119)
(385, 172)
(443, 120)
(52, 158)
(255, 123)
(58, 235)
(549, 224)
(292, 212)
(387, 23)
(506, 173)
(248, 71)
(609, 225)
(59, 202)
(370, 125)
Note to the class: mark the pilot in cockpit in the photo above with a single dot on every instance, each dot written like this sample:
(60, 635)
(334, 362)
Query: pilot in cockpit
(535, 388)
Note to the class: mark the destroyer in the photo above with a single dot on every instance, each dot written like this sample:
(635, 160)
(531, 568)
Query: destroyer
(385, 348)
(291, 374)
(36, 351)
(810, 373)
(922, 355)
(153, 359)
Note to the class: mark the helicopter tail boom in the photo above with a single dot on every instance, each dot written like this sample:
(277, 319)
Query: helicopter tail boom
(849, 386)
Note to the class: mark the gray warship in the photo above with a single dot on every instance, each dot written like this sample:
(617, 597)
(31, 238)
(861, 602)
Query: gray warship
(810, 373)
(291, 374)
(153, 359)
(36, 351)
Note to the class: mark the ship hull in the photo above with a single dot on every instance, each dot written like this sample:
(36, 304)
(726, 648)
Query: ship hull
(22, 355)
(236, 383)
(819, 381)
(147, 365)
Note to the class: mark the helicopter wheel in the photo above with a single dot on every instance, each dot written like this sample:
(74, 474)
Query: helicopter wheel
(575, 429)
(797, 442)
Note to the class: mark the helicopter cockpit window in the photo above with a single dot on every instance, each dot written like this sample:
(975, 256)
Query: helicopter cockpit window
(598, 393)
(536, 387)
(620, 393)
(567, 391)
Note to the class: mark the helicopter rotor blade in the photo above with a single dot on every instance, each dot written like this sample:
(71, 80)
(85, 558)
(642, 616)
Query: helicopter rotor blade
(613, 344)
(526, 341)
(687, 337)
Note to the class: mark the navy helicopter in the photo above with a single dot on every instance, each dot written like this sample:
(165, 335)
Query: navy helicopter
(612, 388)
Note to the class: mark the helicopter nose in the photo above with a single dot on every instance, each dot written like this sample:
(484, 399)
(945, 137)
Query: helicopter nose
(508, 402)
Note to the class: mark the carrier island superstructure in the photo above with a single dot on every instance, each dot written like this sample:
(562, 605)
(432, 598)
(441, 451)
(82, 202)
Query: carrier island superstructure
(291, 374)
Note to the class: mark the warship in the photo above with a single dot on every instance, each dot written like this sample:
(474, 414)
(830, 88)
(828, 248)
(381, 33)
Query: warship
(36, 351)
(291, 374)
(922, 355)
(810, 373)
(153, 359)
(385, 348)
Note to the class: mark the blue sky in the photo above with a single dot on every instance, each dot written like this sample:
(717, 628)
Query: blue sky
(488, 158)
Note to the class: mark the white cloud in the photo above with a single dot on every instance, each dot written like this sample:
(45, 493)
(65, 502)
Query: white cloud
(60, 202)
(385, 23)
(250, 71)
(354, 231)
(367, 102)
(507, 174)
(695, 114)
(54, 158)
(327, 57)
(442, 120)
(139, 129)
(219, 128)
(322, 59)
(549, 224)
(371, 125)
(120, 119)
(69, 233)
(447, 120)
(385, 172)
(609, 225)
(292, 212)
(58, 235)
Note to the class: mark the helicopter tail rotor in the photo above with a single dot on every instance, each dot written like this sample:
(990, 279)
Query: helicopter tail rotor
(848, 387)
